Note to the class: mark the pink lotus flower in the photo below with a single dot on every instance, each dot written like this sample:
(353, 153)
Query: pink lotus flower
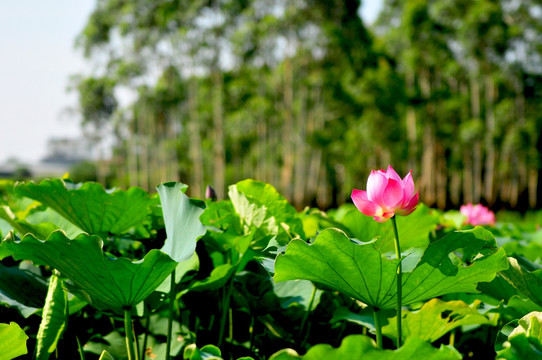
(386, 195)
(477, 214)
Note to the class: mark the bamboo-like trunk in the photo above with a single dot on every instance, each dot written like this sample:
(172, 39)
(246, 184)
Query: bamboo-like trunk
(427, 181)
(533, 187)
(219, 159)
(489, 143)
(514, 185)
(477, 147)
(522, 167)
(194, 138)
(315, 123)
(427, 186)
(261, 131)
(287, 129)
(144, 144)
(274, 153)
(132, 155)
(153, 151)
(101, 168)
(323, 195)
(411, 124)
(441, 176)
(455, 186)
(173, 162)
(300, 154)
(467, 177)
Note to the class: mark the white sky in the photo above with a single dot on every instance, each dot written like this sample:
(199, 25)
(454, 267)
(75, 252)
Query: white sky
(37, 57)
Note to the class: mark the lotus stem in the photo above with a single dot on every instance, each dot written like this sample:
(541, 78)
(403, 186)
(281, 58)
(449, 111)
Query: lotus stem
(306, 315)
(79, 349)
(399, 282)
(146, 336)
(226, 298)
(129, 333)
(172, 296)
(378, 328)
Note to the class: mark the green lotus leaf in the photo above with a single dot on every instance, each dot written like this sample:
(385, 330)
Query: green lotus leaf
(521, 339)
(259, 205)
(413, 230)
(365, 317)
(49, 216)
(525, 279)
(106, 283)
(363, 347)
(89, 206)
(181, 218)
(297, 292)
(22, 290)
(23, 227)
(106, 356)
(12, 341)
(435, 319)
(209, 352)
(53, 319)
(362, 272)
(217, 279)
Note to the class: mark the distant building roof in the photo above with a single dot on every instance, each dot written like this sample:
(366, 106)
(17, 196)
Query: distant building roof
(61, 154)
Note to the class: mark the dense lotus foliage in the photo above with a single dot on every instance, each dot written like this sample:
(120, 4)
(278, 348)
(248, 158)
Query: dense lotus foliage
(90, 273)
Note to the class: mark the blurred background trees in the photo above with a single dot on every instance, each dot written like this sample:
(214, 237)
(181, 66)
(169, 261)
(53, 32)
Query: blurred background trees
(303, 95)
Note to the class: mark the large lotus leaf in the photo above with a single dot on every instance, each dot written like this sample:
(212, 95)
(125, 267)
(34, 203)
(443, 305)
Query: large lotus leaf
(105, 282)
(414, 230)
(364, 318)
(23, 227)
(525, 280)
(363, 347)
(90, 206)
(5, 227)
(181, 218)
(515, 308)
(435, 319)
(106, 356)
(315, 220)
(499, 288)
(208, 352)
(531, 250)
(259, 205)
(297, 292)
(180, 271)
(217, 279)
(524, 341)
(362, 272)
(222, 215)
(12, 341)
(21, 290)
(49, 216)
(53, 319)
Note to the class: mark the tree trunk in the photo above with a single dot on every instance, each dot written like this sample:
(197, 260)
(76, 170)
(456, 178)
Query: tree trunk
(194, 138)
(477, 147)
(218, 138)
(411, 125)
(144, 144)
(533, 187)
(132, 154)
(300, 154)
(489, 143)
(315, 123)
(287, 129)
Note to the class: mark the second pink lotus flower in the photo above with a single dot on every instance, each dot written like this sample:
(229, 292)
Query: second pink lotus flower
(387, 195)
(477, 214)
